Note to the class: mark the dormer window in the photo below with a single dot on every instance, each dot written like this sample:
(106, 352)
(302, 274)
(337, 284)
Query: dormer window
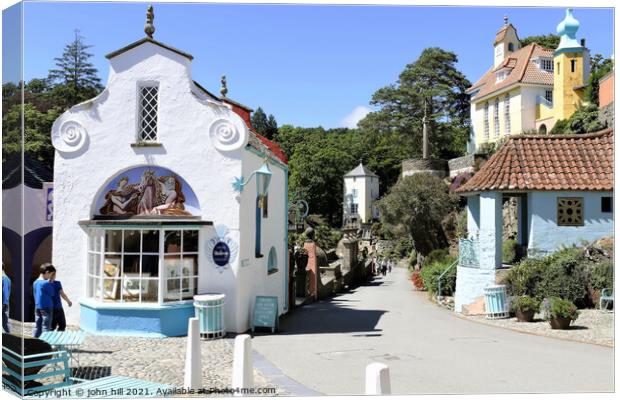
(147, 124)
(546, 64)
(501, 75)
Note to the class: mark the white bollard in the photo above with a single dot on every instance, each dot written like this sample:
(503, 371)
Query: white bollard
(378, 379)
(193, 359)
(243, 371)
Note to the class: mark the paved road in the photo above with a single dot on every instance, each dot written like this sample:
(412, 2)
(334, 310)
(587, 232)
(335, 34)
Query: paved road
(327, 345)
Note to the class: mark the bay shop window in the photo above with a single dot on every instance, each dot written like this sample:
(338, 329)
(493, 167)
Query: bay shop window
(142, 265)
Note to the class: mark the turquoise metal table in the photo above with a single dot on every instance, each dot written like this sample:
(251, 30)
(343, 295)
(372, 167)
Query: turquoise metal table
(69, 341)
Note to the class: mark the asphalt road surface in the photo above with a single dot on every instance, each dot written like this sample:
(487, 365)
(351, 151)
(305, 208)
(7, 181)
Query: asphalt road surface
(326, 346)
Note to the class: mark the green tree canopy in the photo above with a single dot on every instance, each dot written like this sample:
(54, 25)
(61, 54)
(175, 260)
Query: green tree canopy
(549, 41)
(584, 120)
(317, 168)
(75, 78)
(433, 83)
(44, 100)
(416, 206)
(599, 67)
(266, 126)
(37, 127)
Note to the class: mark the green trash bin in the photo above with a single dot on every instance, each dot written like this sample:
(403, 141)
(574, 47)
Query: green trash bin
(210, 313)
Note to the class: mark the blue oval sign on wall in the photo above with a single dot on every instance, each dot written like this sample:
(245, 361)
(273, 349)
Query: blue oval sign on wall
(221, 254)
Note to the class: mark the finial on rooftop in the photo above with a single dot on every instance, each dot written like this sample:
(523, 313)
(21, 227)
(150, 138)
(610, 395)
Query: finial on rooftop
(505, 19)
(149, 28)
(224, 88)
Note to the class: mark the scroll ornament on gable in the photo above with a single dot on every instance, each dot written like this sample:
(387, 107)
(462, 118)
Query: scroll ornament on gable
(69, 137)
(228, 134)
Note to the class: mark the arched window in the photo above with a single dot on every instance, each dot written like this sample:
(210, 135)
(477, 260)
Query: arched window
(272, 261)
(486, 120)
(511, 47)
(507, 114)
(496, 116)
(543, 129)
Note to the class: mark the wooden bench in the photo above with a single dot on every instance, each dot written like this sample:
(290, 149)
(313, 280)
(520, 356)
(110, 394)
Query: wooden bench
(607, 296)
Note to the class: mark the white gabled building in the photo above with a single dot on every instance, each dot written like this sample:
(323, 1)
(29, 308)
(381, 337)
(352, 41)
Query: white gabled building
(162, 193)
(361, 190)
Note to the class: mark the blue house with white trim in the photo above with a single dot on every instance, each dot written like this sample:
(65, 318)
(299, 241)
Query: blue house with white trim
(563, 185)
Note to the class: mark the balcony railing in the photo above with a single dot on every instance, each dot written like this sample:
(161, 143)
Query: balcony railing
(469, 253)
(544, 101)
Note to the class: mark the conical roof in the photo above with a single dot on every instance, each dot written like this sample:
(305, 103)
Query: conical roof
(360, 170)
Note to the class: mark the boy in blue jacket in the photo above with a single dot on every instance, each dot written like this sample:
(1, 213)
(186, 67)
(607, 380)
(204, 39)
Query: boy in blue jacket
(43, 301)
(58, 317)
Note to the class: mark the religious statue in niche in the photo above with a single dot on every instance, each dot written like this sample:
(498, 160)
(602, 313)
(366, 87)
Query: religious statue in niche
(153, 195)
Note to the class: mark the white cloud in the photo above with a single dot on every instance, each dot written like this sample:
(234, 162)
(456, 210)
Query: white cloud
(351, 120)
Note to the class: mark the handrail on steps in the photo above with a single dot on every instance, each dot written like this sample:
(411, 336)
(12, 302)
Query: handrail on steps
(441, 276)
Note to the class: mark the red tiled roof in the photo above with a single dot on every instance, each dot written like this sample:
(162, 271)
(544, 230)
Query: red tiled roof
(273, 147)
(523, 70)
(548, 162)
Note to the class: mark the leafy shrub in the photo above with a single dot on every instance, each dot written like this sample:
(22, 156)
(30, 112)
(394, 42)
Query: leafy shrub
(561, 274)
(461, 224)
(459, 180)
(523, 278)
(564, 276)
(602, 275)
(509, 251)
(525, 304)
(430, 277)
(434, 256)
(557, 307)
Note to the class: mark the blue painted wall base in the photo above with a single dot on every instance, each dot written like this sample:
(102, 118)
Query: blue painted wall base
(114, 320)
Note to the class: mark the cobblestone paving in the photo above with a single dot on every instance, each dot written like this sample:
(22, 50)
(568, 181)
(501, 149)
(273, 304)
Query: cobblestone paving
(592, 326)
(161, 360)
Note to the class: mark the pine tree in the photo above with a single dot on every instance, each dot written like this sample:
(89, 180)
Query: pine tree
(272, 127)
(75, 78)
(259, 121)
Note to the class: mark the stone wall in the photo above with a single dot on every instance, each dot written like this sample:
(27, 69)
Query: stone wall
(435, 167)
(464, 164)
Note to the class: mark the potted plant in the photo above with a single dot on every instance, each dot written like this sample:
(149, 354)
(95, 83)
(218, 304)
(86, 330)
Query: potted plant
(560, 312)
(525, 307)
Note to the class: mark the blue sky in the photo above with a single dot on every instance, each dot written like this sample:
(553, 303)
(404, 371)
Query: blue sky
(308, 65)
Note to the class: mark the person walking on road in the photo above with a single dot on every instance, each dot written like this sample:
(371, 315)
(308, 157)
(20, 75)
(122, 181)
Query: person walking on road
(43, 303)
(58, 318)
(384, 266)
(389, 266)
(6, 293)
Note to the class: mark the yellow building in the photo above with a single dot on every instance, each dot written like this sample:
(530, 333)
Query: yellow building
(517, 93)
(571, 71)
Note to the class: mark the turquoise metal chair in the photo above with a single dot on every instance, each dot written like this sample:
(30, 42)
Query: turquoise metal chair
(55, 364)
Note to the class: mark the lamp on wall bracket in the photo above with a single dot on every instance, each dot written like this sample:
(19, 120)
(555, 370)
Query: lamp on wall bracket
(263, 178)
